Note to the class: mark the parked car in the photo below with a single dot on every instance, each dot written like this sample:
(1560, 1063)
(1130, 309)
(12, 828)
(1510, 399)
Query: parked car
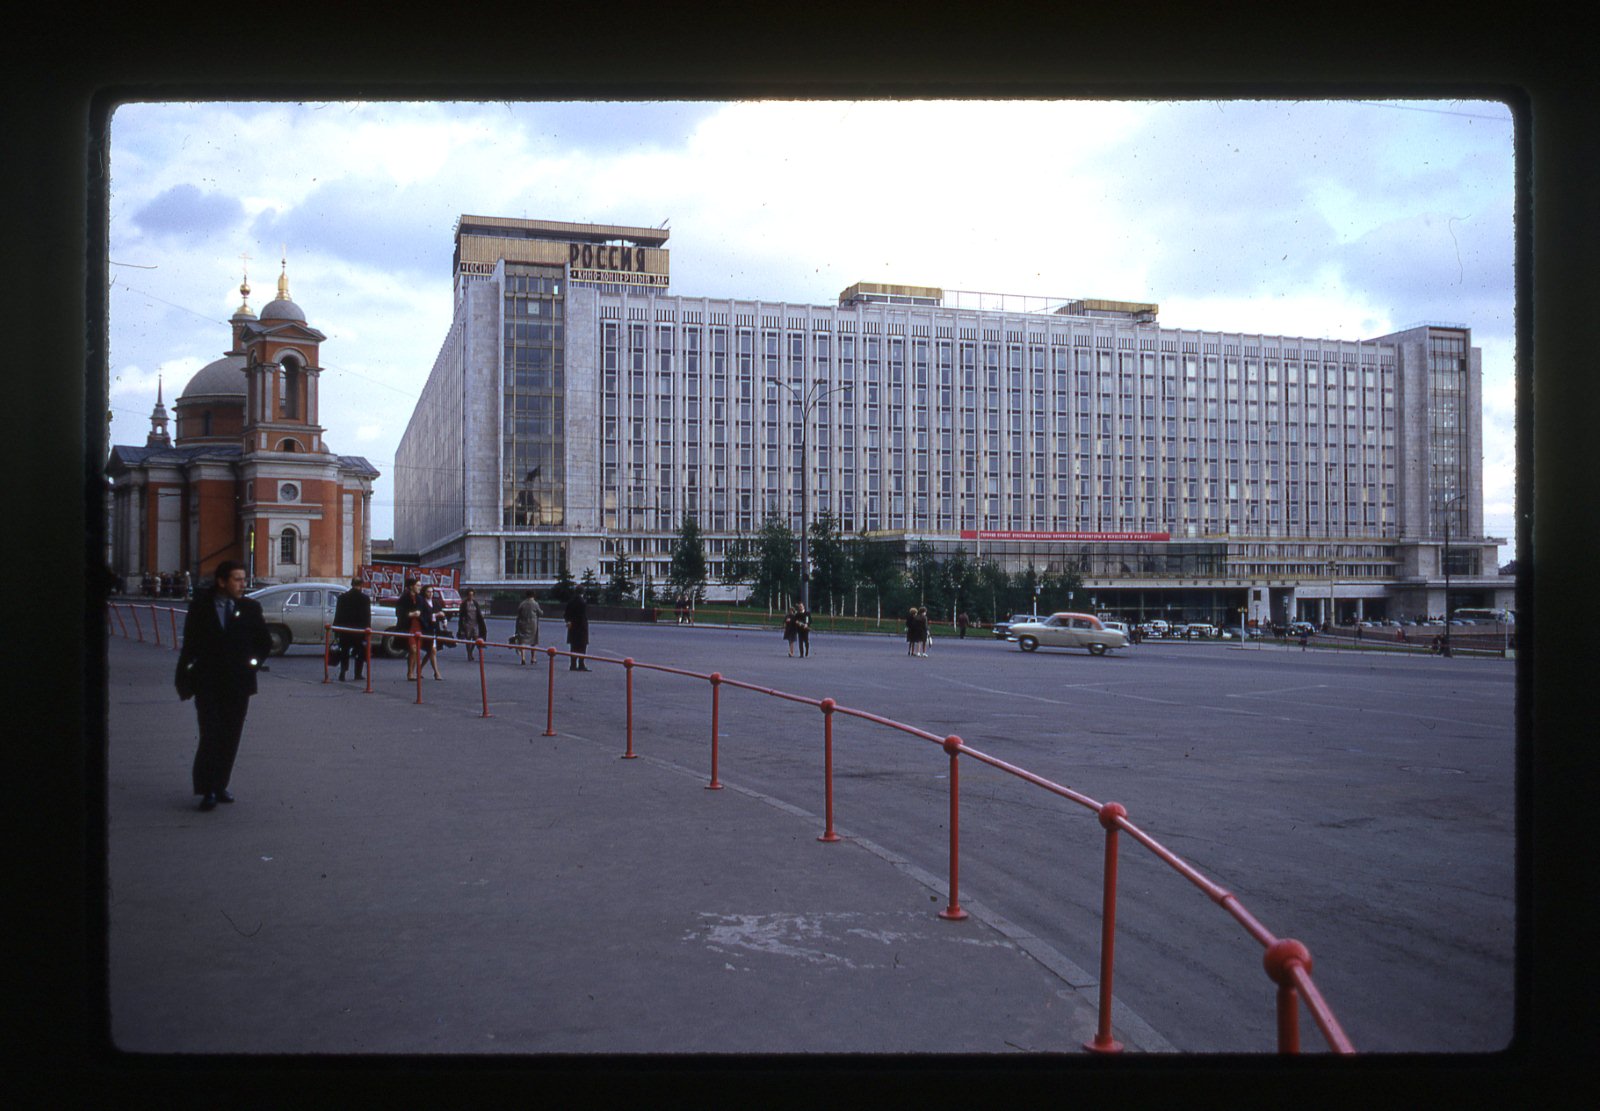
(451, 597)
(1200, 630)
(1002, 629)
(1157, 628)
(296, 613)
(1301, 628)
(1068, 630)
(1119, 626)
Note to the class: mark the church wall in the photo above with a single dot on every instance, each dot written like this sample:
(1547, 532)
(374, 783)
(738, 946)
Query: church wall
(220, 535)
(227, 423)
(193, 515)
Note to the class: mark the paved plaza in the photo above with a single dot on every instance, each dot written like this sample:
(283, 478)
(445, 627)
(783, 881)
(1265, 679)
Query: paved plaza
(404, 878)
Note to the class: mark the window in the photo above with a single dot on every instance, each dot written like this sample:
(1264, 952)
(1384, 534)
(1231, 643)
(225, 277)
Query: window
(532, 559)
(286, 546)
(289, 406)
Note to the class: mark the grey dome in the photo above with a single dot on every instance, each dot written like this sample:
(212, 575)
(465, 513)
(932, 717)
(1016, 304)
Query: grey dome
(224, 377)
(283, 309)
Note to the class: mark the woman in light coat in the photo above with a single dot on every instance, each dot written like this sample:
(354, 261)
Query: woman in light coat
(527, 634)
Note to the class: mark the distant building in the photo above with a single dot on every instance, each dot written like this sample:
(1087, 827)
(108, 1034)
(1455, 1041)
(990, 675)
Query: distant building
(577, 411)
(248, 476)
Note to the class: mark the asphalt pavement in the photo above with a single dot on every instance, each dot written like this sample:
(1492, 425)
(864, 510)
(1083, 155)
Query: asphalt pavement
(397, 877)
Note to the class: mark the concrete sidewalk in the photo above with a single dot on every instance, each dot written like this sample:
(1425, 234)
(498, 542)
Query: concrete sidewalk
(397, 878)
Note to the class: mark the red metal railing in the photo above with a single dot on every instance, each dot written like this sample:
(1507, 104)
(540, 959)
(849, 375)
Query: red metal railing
(1287, 962)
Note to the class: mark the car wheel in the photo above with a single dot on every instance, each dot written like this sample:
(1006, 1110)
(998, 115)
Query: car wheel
(1097, 650)
(280, 639)
(1028, 644)
(393, 647)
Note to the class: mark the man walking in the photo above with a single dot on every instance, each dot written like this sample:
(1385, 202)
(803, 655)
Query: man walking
(353, 610)
(224, 641)
(577, 617)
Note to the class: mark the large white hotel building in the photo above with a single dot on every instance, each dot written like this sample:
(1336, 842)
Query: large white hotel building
(578, 410)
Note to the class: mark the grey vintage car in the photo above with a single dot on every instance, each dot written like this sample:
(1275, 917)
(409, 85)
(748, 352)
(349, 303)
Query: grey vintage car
(296, 613)
(1068, 630)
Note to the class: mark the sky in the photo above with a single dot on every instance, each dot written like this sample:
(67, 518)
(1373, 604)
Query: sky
(1326, 219)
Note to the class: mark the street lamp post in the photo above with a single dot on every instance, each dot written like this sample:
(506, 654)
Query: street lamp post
(1444, 560)
(808, 399)
(1333, 573)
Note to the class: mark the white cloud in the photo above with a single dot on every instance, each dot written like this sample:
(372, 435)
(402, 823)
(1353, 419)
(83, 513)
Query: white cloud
(1341, 220)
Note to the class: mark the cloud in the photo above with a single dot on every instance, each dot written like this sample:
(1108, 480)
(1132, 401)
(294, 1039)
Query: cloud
(135, 383)
(1432, 266)
(185, 211)
(1337, 219)
(367, 222)
(599, 127)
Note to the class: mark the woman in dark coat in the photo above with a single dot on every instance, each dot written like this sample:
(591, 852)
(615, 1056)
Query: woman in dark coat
(470, 625)
(408, 617)
(791, 628)
(577, 617)
(434, 626)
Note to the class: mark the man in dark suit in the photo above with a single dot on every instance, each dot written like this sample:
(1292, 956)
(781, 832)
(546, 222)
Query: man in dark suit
(224, 641)
(353, 610)
(577, 616)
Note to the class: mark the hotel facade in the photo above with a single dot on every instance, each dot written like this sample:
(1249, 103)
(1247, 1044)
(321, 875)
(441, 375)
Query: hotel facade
(578, 411)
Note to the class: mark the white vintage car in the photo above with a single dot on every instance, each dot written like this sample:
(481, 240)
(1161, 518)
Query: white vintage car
(1068, 630)
(296, 612)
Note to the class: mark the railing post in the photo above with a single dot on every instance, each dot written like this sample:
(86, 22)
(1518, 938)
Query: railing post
(716, 690)
(327, 640)
(368, 649)
(483, 679)
(137, 628)
(827, 707)
(627, 669)
(1103, 1042)
(550, 697)
(952, 745)
(155, 625)
(1279, 959)
(116, 611)
(416, 643)
(173, 613)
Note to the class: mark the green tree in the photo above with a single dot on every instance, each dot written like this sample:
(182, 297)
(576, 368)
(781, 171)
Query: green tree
(1062, 590)
(960, 575)
(564, 584)
(739, 563)
(1025, 589)
(830, 563)
(923, 574)
(619, 588)
(877, 569)
(590, 585)
(687, 572)
(776, 572)
(993, 588)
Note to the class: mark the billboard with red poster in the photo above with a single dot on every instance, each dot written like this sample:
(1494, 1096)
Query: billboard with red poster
(387, 580)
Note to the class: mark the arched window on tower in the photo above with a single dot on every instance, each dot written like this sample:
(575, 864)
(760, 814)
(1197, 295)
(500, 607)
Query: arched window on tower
(205, 422)
(287, 546)
(290, 407)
